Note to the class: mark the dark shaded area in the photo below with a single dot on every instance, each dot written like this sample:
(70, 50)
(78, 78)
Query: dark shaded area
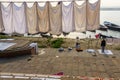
(103, 28)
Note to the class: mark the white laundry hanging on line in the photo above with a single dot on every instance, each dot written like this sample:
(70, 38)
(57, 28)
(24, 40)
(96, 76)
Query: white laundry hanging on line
(80, 16)
(43, 18)
(93, 15)
(7, 16)
(1, 20)
(19, 19)
(67, 17)
(55, 15)
(31, 19)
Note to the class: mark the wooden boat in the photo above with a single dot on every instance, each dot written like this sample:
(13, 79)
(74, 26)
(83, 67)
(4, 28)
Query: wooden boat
(20, 48)
(103, 28)
(19, 52)
(112, 26)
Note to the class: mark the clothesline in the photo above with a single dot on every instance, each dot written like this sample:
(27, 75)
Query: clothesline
(41, 1)
(49, 19)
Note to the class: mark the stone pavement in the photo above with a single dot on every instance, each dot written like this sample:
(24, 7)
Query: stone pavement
(71, 63)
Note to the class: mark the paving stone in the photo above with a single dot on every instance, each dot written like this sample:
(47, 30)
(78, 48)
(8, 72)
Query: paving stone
(72, 63)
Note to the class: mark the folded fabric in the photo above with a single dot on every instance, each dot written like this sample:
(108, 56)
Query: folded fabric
(90, 50)
(61, 49)
(108, 52)
(35, 45)
(59, 73)
(69, 48)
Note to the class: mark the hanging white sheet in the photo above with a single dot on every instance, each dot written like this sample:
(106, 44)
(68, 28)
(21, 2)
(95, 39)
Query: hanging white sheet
(7, 18)
(19, 19)
(67, 18)
(80, 16)
(43, 18)
(31, 18)
(93, 15)
(55, 15)
(1, 20)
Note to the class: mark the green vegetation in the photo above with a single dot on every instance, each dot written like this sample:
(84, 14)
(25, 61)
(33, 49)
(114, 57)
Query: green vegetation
(64, 42)
(117, 47)
(49, 42)
(3, 37)
(57, 43)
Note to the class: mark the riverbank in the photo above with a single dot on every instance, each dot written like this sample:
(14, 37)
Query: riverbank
(71, 63)
(50, 61)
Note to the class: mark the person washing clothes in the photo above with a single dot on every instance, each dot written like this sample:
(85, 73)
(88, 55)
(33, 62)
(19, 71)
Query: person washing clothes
(78, 48)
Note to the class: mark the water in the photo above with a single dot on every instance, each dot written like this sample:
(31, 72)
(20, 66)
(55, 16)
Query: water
(110, 15)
